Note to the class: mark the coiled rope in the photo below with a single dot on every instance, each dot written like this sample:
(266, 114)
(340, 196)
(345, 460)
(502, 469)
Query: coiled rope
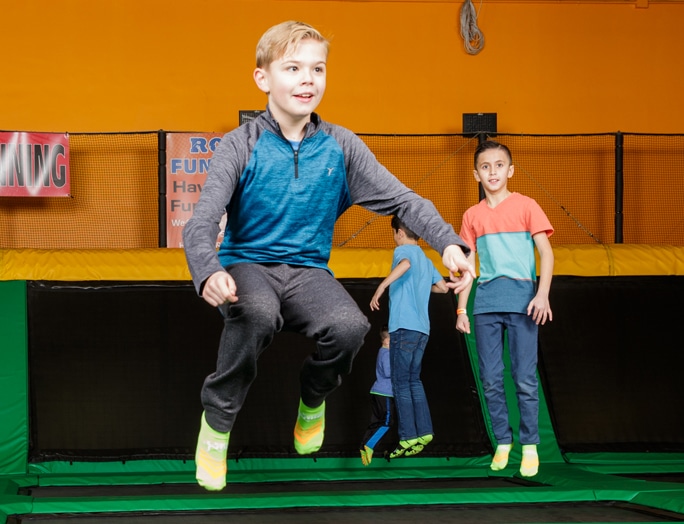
(473, 39)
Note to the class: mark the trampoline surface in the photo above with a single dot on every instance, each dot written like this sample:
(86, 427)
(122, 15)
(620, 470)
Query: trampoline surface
(316, 496)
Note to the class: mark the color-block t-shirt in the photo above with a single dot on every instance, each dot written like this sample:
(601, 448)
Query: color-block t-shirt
(502, 237)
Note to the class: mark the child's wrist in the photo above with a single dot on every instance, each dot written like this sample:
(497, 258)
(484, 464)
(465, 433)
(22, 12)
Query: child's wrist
(461, 311)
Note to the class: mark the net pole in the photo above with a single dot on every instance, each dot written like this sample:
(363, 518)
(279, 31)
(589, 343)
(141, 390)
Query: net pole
(161, 174)
(619, 186)
(481, 137)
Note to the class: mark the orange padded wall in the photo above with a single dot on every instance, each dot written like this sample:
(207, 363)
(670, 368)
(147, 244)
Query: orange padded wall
(396, 66)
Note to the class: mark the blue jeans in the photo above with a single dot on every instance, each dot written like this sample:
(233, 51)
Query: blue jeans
(406, 355)
(522, 346)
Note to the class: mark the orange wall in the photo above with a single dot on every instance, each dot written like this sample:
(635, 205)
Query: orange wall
(395, 67)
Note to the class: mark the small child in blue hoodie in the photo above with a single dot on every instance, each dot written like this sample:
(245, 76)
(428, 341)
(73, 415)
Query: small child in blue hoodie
(382, 401)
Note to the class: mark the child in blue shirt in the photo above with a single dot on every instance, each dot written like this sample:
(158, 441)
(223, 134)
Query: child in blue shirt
(410, 282)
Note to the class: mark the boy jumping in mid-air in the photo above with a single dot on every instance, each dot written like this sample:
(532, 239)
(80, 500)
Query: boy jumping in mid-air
(410, 282)
(284, 178)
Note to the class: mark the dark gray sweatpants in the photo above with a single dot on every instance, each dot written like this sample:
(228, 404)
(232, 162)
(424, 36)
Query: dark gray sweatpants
(270, 296)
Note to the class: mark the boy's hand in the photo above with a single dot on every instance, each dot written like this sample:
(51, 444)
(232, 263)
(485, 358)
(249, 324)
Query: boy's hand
(540, 310)
(456, 262)
(463, 324)
(219, 289)
(375, 301)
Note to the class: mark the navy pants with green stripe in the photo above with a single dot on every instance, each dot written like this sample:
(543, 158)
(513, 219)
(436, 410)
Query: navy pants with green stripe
(382, 419)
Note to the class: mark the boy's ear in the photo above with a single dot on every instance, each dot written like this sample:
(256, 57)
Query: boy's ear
(511, 169)
(477, 177)
(261, 80)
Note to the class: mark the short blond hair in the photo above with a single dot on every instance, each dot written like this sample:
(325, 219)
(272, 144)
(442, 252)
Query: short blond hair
(280, 38)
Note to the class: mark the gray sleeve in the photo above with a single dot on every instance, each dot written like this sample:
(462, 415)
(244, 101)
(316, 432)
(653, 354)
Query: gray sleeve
(373, 187)
(201, 231)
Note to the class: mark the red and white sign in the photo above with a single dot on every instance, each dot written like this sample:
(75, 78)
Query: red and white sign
(34, 165)
(187, 162)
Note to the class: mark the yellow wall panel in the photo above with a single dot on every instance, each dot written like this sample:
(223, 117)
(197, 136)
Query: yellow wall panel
(170, 264)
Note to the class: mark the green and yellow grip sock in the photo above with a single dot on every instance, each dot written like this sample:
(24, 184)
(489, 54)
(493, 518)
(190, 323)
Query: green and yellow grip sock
(366, 455)
(419, 446)
(309, 429)
(210, 457)
(403, 447)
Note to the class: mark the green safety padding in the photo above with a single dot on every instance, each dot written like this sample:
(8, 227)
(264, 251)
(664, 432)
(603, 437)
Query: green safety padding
(559, 483)
(13, 377)
(257, 470)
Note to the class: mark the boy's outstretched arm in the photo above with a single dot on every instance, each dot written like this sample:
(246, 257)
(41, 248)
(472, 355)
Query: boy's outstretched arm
(402, 267)
(455, 261)
(540, 308)
(219, 288)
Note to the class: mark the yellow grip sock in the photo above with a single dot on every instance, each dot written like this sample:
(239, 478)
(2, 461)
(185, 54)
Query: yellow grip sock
(530, 461)
(500, 460)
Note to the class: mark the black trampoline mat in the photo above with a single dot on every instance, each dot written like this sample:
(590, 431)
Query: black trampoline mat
(595, 512)
(658, 477)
